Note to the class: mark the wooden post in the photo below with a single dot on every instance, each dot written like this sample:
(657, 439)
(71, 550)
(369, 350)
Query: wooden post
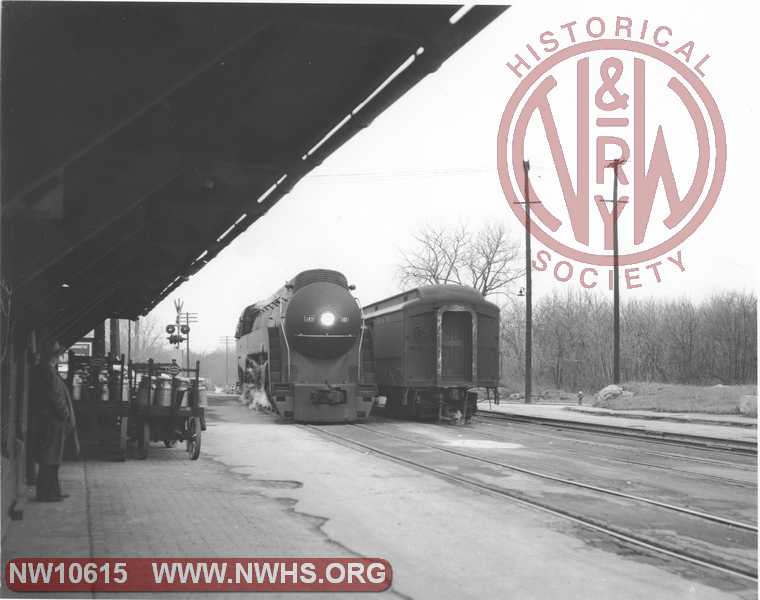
(114, 342)
(528, 291)
(137, 338)
(99, 343)
(616, 278)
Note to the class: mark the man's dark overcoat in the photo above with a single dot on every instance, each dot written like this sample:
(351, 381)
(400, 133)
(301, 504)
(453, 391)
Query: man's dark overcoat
(54, 414)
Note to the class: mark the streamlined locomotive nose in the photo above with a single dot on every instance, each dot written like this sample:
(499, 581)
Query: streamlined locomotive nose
(322, 320)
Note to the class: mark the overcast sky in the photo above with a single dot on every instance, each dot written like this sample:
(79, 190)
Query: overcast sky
(431, 159)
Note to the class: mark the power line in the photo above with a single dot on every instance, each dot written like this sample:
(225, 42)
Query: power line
(226, 340)
(412, 173)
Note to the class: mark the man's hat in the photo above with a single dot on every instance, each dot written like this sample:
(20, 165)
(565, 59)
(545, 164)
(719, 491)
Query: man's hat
(51, 349)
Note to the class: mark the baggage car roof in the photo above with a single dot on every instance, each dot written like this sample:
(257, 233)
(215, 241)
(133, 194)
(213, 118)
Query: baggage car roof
(429, 294)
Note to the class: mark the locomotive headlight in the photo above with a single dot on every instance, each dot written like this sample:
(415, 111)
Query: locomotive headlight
(327, 319)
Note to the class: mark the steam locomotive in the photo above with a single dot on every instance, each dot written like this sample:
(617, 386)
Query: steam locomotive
(306, 346)
(432, 345)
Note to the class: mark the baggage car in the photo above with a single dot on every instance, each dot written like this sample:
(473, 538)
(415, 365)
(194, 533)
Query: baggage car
(432, 345)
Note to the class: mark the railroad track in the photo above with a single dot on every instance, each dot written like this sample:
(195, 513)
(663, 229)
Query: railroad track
(572, 482)
(629, 537)
(676, 439)
(501, 433)
(555, 433)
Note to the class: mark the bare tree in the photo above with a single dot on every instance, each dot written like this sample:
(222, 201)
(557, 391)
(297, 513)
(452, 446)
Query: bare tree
(148, 339)
(491, 259)
(437, 257)
(487, 259)
(669, 341)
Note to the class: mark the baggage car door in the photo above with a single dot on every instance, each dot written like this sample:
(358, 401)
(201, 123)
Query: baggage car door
(420, 345)
(488, 349)
(456, 345)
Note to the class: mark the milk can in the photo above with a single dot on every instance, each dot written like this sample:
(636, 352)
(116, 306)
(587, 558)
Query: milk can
(202, 395)
(125, 391)
(163, 395)
(76, 387)
(144, 392)
(183, 392)
(103, 387)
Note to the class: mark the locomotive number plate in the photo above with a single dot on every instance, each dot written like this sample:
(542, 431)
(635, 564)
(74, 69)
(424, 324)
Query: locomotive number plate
(328, 397)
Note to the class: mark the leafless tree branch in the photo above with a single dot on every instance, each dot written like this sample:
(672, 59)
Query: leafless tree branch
(487, 259)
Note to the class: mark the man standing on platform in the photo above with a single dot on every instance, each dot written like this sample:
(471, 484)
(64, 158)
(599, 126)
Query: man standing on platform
(55, 418)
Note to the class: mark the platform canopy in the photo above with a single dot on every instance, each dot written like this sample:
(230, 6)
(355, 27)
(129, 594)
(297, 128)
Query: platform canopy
(141, 138)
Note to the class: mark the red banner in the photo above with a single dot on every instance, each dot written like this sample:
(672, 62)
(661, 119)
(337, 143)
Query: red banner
(198, 574)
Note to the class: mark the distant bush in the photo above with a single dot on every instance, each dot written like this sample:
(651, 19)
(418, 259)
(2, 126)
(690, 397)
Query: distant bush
(671, 341)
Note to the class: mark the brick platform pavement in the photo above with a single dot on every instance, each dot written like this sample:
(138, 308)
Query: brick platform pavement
(167, 505)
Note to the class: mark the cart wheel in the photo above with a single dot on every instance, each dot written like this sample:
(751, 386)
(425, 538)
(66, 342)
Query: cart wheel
(194, 441)
(142, 449)
(170, 443)
(123, 433)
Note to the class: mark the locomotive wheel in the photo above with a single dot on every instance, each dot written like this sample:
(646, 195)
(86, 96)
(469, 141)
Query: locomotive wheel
(142, 447)
(194, 441)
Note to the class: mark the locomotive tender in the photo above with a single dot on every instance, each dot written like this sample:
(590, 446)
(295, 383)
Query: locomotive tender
(431, 345)
(308, 338)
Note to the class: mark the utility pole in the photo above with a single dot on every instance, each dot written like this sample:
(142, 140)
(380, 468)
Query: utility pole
(187, 340)
(615, 165)
(528, 287)
(226, 341)
(616, 275)
(528, 290)
(184, 328)
(183, 322)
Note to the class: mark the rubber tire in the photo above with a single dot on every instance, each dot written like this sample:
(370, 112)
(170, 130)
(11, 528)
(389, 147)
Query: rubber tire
(123, 434)
(142, 446)
(194, 441)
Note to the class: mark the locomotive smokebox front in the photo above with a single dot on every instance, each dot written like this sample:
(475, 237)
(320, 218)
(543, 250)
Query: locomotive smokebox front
(323, 321)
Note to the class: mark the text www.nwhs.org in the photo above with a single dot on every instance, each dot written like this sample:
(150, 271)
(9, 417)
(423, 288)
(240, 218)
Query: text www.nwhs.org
(269, 573)
(198, 574)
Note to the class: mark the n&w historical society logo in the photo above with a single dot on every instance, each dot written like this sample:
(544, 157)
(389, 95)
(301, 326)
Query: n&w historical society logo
(596, 93)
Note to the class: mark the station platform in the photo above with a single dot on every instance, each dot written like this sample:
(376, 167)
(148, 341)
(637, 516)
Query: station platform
(263, 488)
(165, 506)
(726, 427)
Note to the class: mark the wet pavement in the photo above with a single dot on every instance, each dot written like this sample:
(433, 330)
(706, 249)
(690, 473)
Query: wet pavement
(628, 497)
(262, 488)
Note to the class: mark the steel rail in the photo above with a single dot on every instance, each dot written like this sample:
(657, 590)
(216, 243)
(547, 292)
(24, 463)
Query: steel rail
(692, 441)
(700, 459)
(605, 529)
(720, 478)
(587, 486)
